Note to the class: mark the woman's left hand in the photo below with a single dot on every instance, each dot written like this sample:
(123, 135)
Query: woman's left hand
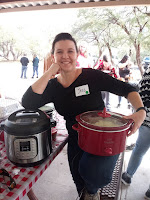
(138, 118)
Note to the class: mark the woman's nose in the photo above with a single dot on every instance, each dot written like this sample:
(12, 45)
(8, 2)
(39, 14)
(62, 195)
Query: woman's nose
(65, 55)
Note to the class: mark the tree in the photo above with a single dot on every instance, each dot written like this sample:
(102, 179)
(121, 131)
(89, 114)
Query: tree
(17, 40)
(134, 23)
(9, 46)
(123, 27)
(93, 27)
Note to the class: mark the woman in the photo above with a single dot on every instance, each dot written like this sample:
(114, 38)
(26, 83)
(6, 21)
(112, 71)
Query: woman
(89, 172)
(106, 67)
(124, 73)
(143, 140)
(84, 59)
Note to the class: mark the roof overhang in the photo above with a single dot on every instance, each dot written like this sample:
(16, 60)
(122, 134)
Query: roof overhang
(27, 5)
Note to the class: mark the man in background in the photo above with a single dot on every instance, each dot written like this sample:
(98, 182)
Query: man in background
(24, 61)
(35, 66)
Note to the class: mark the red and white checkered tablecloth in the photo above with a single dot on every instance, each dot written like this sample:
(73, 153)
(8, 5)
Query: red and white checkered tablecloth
(27, 176)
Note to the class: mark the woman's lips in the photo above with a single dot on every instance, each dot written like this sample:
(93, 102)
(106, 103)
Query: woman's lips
(65, 63)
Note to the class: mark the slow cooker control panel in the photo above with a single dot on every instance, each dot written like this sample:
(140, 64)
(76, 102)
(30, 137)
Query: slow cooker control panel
(25, 148)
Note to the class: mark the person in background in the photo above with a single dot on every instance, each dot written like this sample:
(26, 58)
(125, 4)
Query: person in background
(105, 66)
(35, 66)
(24, 61)
(84, 60)
(74, 91)
(98, 64)
(143, 140)
(47, 62)
(124, 73)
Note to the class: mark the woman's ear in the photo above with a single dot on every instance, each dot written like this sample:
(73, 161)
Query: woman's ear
(52, 58)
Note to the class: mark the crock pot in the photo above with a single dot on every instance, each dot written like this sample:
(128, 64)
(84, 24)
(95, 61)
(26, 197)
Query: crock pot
(101, 133)
(27, 136)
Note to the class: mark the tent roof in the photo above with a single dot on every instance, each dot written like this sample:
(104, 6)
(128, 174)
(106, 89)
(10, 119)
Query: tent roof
(27, 5)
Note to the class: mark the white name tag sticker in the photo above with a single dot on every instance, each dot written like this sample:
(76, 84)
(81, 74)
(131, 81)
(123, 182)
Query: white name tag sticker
(82, 90)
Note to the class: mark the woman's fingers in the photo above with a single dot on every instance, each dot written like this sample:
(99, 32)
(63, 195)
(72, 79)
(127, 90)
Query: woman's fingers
(138, 118)
(54, 69)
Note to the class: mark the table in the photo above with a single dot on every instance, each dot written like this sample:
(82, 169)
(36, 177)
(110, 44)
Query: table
(28, 176)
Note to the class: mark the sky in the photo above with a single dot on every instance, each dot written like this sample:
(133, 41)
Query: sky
(61, 18)
(40, 24)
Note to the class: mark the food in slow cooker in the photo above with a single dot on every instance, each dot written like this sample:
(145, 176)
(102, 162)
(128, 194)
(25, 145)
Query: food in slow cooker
(105, 123)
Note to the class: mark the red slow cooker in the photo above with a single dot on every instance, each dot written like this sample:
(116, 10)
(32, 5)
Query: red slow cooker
(102, 133)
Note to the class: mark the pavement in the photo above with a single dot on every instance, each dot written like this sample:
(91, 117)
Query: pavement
(56, 183)
(11, 85)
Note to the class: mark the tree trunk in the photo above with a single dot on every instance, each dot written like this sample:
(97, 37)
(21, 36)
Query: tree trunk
(12, 52)
(110, 54)
(138, 57)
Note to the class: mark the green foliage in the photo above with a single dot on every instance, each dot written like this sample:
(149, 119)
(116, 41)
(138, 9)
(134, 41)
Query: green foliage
(123, 28)
(116, 31)
(15, 41)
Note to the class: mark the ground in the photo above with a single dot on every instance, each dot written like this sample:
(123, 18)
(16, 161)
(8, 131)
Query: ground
(11, 84)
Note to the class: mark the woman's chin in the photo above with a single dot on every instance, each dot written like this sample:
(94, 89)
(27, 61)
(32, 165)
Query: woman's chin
(68, 68)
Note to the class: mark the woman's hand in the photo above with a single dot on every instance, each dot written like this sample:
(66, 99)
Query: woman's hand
(54, 69)
(121, 79)
(138, 118)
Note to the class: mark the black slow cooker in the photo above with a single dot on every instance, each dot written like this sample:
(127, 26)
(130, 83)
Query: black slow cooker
(27, 135)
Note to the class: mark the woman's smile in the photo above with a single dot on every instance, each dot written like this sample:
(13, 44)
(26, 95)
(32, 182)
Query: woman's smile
(65, 62)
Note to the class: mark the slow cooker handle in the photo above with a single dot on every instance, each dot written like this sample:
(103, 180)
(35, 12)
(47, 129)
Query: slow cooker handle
(131, 126)
(75, 127)
(27, 113)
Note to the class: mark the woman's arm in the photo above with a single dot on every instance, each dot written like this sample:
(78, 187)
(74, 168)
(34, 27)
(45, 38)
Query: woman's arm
(122, 65)
(40, 85)
(138, 117)
(35, 97)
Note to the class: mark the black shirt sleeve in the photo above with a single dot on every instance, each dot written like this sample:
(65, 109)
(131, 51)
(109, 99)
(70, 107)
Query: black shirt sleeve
(104, 82)
(32, 100)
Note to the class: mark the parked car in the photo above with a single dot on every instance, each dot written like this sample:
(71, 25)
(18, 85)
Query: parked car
(146, 59)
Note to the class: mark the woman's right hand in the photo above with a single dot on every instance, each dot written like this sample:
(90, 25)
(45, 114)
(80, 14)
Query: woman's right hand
(54, 69)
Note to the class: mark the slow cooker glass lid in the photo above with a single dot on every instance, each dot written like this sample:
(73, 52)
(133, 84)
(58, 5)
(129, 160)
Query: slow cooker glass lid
(93, 118)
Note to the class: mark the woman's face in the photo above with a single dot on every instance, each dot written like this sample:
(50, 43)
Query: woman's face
(65, 54)
(106, 65)
(82, 49)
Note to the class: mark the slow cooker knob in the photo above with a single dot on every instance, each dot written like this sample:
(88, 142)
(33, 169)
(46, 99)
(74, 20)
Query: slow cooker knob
(108, 151)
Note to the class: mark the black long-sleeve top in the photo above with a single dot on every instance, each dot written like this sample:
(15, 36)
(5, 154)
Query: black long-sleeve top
(84, 94)
(144, 90)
